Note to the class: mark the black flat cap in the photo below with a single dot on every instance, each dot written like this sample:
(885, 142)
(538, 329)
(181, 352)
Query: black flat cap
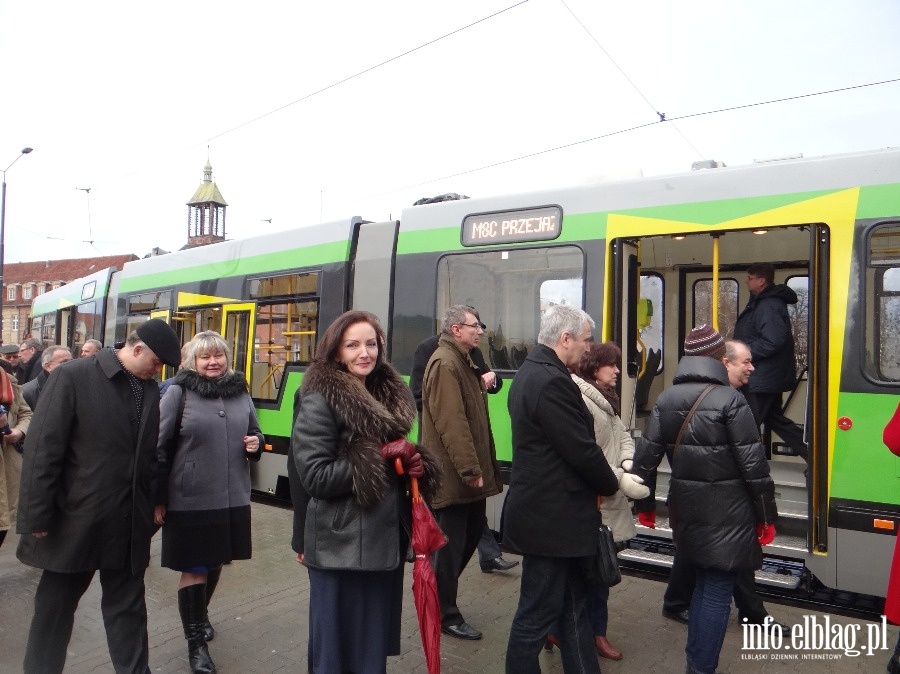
(9, 349)
(162, 340)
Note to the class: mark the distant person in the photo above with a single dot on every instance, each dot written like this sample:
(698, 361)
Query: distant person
(765, 327)
(207, 427)
(490, 556)
(550, 514)
(29, 360)
(677, 600)
(90, 347)
(457, 428)
(10, 355)
(354, 415)
(86, 502)
(51, 358)
(15, 420)
(721, 497)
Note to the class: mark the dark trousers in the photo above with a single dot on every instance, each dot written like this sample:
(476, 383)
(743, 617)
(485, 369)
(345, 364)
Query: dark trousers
(768, 406)
(488, 547)
(124, 616)
(553, 589)
(683, 578)
(463, 526)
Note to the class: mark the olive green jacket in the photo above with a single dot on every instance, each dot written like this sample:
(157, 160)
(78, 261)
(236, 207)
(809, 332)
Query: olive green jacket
(456, 427)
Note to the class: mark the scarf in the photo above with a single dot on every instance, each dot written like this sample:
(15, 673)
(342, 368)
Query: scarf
(380, 411)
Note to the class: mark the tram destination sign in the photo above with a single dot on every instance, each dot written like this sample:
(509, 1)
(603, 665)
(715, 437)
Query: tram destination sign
(532, 224)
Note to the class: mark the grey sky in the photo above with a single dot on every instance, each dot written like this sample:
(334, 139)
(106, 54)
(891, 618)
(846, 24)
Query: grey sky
(125, 97)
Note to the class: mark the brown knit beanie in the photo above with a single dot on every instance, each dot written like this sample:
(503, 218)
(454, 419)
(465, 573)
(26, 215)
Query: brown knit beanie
(704, 341)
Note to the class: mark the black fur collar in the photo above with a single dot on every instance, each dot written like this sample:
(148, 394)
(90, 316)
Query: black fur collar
(228, 386)
(380, 411)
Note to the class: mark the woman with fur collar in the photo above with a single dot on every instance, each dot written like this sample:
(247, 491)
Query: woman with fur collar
(355, 411)
(208, 430)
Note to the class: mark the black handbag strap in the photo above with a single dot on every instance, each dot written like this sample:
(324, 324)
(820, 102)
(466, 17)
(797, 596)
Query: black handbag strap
(687, 419)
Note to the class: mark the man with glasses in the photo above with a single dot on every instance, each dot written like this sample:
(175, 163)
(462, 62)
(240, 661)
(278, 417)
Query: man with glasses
(765, 327)
(30, 359)
(10, 355)
(456, 427)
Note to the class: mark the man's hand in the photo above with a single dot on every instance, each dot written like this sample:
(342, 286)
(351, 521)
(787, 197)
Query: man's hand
(39, 534)
(489, 379)
(159, 515)
(476, 482)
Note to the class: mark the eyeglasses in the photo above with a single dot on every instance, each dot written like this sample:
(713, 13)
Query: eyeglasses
(27, 348)
(477, 326)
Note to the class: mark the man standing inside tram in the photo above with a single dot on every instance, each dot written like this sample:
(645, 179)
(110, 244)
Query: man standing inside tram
(765, 327)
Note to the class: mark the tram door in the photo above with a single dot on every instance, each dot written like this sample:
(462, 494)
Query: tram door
(236, 322)
(624, 304)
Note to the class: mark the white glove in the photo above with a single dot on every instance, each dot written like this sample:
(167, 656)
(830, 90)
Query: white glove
(627, 464)
(633, 486)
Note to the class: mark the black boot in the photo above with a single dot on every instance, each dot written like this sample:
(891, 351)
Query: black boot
(2, 536)
(192, 606)
(211, 581)
(893, 666)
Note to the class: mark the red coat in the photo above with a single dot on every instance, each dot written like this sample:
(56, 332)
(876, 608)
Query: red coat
(892, 600)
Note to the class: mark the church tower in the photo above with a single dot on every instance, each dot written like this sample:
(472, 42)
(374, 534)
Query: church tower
(206, 212)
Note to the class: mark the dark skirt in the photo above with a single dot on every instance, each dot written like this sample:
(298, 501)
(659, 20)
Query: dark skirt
(354, 620)
(205, 537)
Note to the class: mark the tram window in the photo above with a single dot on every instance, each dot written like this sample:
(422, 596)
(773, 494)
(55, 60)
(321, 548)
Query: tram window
(650, 314)
(87, 324)
(882, 306)
(147, 302)
(799, 316)
(285, 333)
(728, 304)
(510, 289)
(287, 285)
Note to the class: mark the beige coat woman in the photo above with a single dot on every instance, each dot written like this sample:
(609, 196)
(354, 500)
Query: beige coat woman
(18, 417)
(618, 446)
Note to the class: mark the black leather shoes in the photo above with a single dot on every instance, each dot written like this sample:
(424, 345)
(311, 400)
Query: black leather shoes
(683, 617)
(462, 631)
(497, 564)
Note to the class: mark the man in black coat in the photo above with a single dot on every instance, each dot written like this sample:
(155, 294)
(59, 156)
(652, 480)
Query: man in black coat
(85, 502)
(29, 360)
(765, 327)
(550, 514)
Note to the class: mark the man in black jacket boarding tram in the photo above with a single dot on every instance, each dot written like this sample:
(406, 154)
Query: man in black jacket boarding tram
(550, 514)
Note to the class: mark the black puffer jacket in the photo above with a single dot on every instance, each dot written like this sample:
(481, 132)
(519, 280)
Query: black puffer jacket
(765, 327)
(720, 486)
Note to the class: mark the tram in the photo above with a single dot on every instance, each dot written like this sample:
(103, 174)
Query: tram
(648, 258)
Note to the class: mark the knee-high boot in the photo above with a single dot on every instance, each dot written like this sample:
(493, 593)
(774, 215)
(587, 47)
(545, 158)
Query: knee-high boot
(192, 606)
(894, 663)
(211, 581)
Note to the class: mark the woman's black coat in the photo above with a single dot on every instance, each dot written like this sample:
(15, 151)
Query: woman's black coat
(720, 485)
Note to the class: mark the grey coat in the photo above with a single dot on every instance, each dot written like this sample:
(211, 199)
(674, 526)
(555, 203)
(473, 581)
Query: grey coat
(203, 476)
(87, 471)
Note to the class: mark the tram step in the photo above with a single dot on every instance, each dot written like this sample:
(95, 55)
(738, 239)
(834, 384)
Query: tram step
(784, 543)
(763, 577)
(787, 507)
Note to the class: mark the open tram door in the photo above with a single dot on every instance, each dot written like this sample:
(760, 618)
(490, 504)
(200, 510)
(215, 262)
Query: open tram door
(631, 313)
(167, 370)
(237, 320)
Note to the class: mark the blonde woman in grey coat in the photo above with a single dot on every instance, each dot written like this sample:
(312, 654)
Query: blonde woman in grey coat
(596, 376)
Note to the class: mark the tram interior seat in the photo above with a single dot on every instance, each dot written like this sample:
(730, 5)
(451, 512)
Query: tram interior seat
(498, 356)
(642, 386)
(517, 355)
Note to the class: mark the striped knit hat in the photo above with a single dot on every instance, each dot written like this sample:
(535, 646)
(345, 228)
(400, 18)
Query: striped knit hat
(704, 341)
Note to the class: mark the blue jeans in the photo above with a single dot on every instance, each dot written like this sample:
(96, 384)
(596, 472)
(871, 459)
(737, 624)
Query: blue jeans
(553, 588)
(710, 607)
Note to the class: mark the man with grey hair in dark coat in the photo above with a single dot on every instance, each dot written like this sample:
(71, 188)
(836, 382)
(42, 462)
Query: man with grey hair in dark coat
(550, 514)
(85, 503)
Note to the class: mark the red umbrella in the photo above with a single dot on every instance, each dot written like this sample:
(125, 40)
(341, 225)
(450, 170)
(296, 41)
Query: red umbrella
(426, 538)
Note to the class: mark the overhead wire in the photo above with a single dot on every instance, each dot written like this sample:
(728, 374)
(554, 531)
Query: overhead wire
(367, 70)
(661, 115)
(644, 126)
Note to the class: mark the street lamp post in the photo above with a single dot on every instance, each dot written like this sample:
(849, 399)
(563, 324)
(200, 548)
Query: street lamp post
(25, 150)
